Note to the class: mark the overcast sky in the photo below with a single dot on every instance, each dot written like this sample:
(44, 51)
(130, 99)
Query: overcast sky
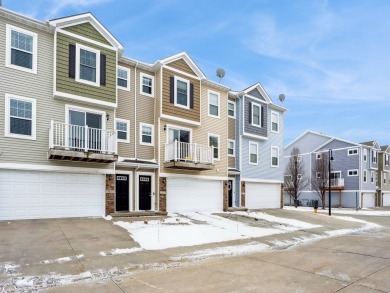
(330, 58)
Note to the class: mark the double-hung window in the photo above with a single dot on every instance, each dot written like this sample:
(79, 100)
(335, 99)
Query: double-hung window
(365, 155)
(374, 156)
(122, 130)
(87, 65)
(274, 122)
(256, 115)
(20, 117)
(231, 147)
(182, 92)
(213, 104)
(214, 142)
(365, 176)
(147, 85)
(372, 176)
(21, 49)
(274, 156)
(386, 160)
(123, 78)
(253, 153)
(384, 178)
(231, 109)
(146, 134)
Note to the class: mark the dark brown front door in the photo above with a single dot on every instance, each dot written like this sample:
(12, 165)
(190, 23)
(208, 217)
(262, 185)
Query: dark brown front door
(122, 192)
(230, 191)
(145, 192)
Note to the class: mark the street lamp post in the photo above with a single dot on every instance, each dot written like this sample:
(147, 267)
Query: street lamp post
(330, 192)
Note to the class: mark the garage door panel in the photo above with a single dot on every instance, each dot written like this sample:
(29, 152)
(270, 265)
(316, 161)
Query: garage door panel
(368, 200)
(386, 199)
(262, 195)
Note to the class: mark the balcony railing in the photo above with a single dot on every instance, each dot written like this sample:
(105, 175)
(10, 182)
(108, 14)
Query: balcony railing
(189, 152)
(81, 138)
(337, 182)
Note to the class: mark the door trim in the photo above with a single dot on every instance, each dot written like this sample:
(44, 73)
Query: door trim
(233, 179)
(130, 173)
(153, 203)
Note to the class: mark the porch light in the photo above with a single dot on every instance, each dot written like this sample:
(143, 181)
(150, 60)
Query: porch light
(107, 117)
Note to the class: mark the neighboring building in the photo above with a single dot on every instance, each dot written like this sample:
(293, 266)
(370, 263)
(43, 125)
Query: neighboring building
(91, 132)
(354, 179)
(383, 195)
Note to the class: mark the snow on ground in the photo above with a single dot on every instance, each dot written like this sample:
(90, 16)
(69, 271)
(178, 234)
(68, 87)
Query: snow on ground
(197, 228)
(293, 225)
(120, 251)
(345, 211)
(62, 259)
(108, 218)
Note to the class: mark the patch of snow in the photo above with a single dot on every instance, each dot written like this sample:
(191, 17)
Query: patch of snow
(108, 218)
(9, 268)
(62, 259)
(345, 211)
(120, 251)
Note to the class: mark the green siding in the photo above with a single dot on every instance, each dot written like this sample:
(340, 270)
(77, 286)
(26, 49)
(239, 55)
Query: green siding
(88, 31)
(69, 85)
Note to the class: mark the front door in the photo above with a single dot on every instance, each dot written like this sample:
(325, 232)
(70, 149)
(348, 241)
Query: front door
(78, 137)
(122, 193)
(145, 192)
(230, 193)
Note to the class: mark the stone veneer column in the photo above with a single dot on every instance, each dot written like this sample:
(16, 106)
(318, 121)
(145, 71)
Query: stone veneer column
(242, 194)
(110, 194)
(163, 194)
(225, 195)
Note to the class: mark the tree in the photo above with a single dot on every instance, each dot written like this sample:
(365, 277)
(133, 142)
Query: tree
(295, 179)
(320, 177)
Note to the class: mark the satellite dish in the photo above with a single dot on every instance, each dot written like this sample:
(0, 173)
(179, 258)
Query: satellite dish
(220, 73)
(282, 97)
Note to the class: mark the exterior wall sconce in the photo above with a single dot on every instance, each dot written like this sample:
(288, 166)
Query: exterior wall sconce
(107, 117)
(165, 127)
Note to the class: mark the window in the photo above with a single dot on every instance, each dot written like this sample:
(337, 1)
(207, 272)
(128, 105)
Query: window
(253, 153)
(335, 175)
(384, 178)
(256, 116)
(87, 65)
(231, 147)
(352, 172)
(374, 156)
(147, 85)
(318, 175)
(214, 142)
(231, 109)
(123, 79)
(122, 130)
(146, 134)
(178, 134)
(372, 176)
(274, 122)
(21, 49)
(182, 89)
(365, 176)
(352, 152)
(365, 155)
(274, 156)
(299, 176)
(386, 160)
(318, 156)
(213, 104)
(299, 159)
(20, 117)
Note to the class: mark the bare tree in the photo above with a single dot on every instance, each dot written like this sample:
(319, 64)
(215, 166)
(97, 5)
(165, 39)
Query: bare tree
(320, 177)
(295, 179)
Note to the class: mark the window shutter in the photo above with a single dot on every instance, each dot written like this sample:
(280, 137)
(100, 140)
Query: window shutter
(191, 95)
(250, 113)
(102, 69)
(262, 116)
(72, 61)
(172, 90)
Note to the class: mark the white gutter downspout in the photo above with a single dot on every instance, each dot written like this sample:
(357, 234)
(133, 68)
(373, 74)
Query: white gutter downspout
(135, 110)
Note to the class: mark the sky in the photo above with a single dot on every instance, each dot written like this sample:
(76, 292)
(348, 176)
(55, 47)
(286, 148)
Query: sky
(331, 58)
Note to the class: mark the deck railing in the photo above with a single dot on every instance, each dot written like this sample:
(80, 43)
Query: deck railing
(337, 182)
(189, 152)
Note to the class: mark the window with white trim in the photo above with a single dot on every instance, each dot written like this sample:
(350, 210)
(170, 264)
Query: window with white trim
(374, 156)
(352, 152)
(231, 147)
(256, 115)
(213, 104)
(123, 78)
(365, 176)
(146, 134)
(20, 117)
(384, 178)
(274, 156)
(372, 176)
(318, 156)
(365, 155)
(318, 175)
(123, 130)
(147, 84)
(214, 142)
(353, 172)
(231, 109)
(182, 92)
(253, 153)
(274, 122)
(386, 159)
(21, 49)
(299, 176)
(87, 65)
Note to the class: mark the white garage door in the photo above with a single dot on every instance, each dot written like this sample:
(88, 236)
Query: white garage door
(32, 195)
(262, 195)
(386, 199)
(368, 200)
(192, 195)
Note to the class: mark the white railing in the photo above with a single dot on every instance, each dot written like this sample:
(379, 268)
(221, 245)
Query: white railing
(81, 138)
(189, 152)
(337, 182)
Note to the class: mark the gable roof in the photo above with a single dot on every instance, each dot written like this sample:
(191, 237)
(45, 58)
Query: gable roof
(257, 86)
(385, 148)
(371, 143)
(305, 133)
(72, 20)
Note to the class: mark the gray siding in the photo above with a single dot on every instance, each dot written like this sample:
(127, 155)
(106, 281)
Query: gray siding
(337, 144)
(248, 127)
(255, 93)
(307, 143)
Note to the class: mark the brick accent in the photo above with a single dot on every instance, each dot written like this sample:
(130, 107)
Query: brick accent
(225, 195)
(110, 194)
(242, 194)
(163, 194)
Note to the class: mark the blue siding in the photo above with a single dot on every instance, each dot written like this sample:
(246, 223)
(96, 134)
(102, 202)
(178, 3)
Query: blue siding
(249, 128)
(337, 144)
(255, 93)
(307, 143)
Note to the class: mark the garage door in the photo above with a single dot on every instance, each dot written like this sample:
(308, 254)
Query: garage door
(262, 195)
(386, 199)
(192, 195)
(32, 195)
(368, 200)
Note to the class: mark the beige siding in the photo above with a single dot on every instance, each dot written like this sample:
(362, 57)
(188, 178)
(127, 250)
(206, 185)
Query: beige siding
(232, 162)
(182, 66)
(232, 128)
(88, 31)
(40, 87)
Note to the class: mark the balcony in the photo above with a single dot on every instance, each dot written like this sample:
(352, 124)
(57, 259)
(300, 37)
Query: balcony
(336, 184)
(81, 143)
(190, 156)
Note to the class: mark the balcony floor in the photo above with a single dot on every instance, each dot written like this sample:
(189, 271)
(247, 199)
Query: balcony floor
(188, 165)
(71, 155)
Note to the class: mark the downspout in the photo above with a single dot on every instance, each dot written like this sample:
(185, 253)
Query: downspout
(135, 109)
(239, 119)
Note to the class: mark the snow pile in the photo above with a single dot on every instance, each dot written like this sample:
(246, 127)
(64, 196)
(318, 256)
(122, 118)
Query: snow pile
(107, 218)
(120, 251)
(9, 268)
(62, 259)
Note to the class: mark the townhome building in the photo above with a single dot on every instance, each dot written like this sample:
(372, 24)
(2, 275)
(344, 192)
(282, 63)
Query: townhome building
(383, 194)
(353, 172)
(88, 131)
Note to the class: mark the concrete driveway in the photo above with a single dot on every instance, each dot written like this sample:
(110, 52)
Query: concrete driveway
(65, 255)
